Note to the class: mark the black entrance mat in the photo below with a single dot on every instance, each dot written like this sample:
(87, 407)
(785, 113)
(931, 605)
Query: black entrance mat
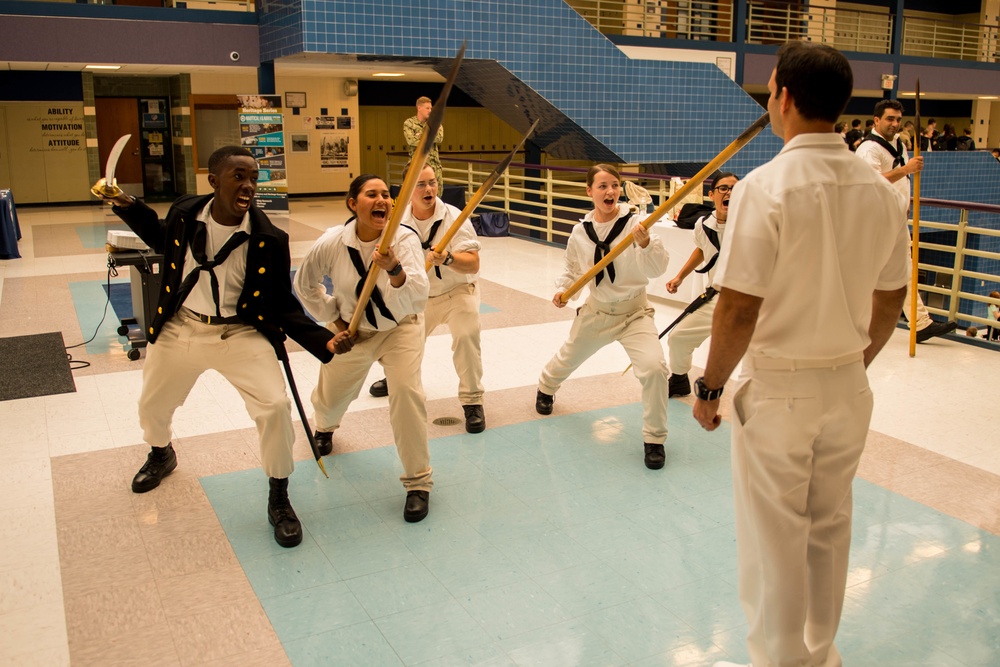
(34, 365)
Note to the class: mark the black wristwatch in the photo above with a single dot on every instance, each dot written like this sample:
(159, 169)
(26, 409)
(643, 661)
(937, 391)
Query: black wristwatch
(449, 259)
(704, 393)
(396, 270)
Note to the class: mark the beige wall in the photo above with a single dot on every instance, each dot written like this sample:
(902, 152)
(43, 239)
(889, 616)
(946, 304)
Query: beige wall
(305, 176)
(44, 152)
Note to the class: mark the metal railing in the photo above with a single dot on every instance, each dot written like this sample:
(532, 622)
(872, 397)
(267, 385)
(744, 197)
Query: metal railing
(845, 29)
(968, 239)
(216, 5)
(932, 38)
(543, 202)
(710, 20)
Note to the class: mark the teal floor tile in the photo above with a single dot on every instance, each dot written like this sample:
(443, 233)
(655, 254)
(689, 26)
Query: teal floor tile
(405, 588)
(313, 611)
(361, 645)
(436, 631)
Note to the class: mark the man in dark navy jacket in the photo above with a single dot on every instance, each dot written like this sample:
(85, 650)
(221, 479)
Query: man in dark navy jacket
(226, 304)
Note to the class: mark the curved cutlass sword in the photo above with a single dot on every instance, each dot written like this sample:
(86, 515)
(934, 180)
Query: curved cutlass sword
(110, 187)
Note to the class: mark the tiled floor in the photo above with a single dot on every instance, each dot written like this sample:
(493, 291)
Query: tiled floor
(548, 542)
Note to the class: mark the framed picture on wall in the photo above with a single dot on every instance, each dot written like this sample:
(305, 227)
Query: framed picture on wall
(300, 143)
(295, 100)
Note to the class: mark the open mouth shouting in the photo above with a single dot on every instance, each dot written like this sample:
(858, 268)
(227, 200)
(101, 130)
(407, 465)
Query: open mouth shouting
(243, 201)
(379, 214)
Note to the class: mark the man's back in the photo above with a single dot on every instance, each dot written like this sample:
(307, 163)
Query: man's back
(817, 231)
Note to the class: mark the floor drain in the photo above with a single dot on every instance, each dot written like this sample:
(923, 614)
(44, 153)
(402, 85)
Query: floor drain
(446, 421)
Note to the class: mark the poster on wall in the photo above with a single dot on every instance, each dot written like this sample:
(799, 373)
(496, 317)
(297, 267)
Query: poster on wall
(44, 151)
(334, 151)
(262, 133)
(326, 122)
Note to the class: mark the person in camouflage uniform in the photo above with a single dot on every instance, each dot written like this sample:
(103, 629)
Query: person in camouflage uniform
(413, 127)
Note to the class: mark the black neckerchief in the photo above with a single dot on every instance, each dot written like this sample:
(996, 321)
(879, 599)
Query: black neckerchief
(376, 297)
(198, 251)
(430, 238)
(601, 248)
(897, 153)
(713, 238)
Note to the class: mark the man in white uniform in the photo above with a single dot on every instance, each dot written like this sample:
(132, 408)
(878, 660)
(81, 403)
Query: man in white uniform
(810, 291)
(884, 151)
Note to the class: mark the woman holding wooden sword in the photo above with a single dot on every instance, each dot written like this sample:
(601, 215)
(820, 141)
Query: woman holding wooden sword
(391, 331)
(616, 309)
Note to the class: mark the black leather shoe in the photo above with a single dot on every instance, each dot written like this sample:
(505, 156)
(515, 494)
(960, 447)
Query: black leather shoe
(655, 456)
(475, 419)
(160, 462)
(417, 505)
(543, 403)
(287, 529)
(678, 385)
(935, 329)
(324, 442)
(379, 388)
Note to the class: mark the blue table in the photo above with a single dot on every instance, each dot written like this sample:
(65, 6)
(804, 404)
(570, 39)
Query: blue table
(10, 230)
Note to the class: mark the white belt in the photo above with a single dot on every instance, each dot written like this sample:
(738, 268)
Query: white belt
(776, 364)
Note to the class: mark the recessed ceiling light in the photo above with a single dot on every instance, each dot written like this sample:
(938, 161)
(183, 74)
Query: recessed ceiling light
(988, 97)
(388, 74)
(103, 67)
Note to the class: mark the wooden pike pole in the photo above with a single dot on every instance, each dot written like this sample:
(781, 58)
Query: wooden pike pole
(662, 209)
(406, 191)
(481, 193)
(915, 243)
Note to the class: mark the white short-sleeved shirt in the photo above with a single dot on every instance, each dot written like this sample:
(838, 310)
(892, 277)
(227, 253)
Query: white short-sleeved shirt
(708, 250)
(463, 241)
(330, 256)
(634, 268)
(815, 233)
(881, 160)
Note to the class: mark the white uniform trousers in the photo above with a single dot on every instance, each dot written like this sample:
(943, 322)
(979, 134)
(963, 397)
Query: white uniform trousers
(400, 350)
(685, 338)
(797, 439)
(459, 309)
(631, 324)
(186, 348)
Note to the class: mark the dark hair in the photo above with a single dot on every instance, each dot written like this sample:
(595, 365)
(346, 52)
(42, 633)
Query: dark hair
(882, 105)
(221, 155)
(818, 77)
(840, 127)
(722, 175)
(869, 122)
(598, 168)
(354, 190)
(856, 122)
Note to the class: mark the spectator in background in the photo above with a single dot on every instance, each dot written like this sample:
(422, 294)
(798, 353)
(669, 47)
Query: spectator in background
(996, 154)
(413, 128)
(965, 142)
(841, 129)
(854, 135)
(993, 313)
(946, 142)
(906, 134)
(869, 124)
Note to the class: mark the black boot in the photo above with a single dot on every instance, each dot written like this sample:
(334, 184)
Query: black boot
(417, 505)
(543, 403)
(160, 462)
(655, 456)
(287, 529)
(379, 388)
(475, 419)
(678, 385)
(324, 442)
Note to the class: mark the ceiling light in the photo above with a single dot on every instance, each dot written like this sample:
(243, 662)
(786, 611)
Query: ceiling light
(388, 74)
(103, 67)
(907, 94)
(988, 97)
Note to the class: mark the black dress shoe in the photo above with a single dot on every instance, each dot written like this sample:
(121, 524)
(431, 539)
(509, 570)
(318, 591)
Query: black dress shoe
(160, 462)
(416, 507)
(475, 419)
(287, 529)
(655, 456)
(379, 388)
(935, 329)
(543, 403)
(678, 385)
(324, 442)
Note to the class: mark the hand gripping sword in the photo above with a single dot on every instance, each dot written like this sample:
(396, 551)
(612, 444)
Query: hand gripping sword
(109, 189)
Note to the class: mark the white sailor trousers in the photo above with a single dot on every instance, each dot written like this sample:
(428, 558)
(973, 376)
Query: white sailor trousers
(685, 338)
(631, 324)
(186, 348)
(459, 309)
(797, 439)
(400, 350)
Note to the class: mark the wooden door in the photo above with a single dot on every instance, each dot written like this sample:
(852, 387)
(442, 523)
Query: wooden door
(117, 116)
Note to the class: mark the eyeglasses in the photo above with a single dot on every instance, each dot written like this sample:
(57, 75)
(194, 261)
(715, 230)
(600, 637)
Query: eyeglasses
(723, 188)
(421, 185)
